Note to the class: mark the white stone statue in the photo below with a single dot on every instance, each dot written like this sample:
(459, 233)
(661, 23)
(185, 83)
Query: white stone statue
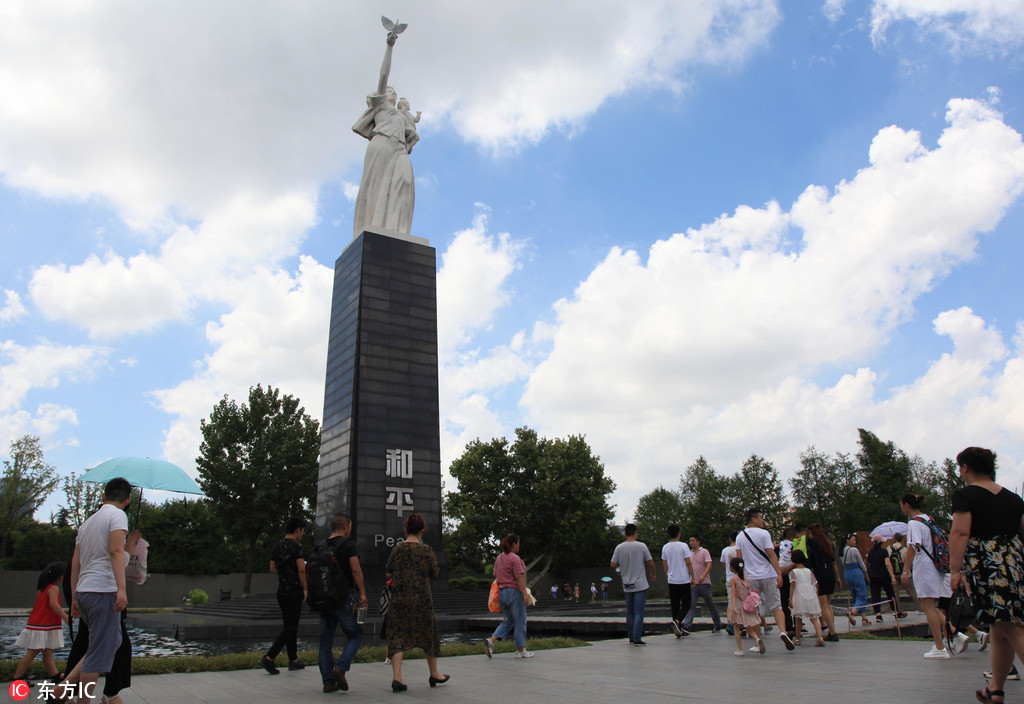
(387, 192)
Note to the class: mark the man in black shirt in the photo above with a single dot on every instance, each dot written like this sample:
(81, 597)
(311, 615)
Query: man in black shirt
(287, 563)
(333, 674)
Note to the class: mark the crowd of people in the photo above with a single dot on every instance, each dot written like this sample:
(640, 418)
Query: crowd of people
(790, 581)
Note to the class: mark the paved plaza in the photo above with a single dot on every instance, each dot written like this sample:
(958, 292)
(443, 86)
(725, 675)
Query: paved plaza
(700, 668)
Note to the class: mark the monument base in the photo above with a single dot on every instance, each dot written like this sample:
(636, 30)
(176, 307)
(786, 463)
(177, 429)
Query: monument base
(380, 454)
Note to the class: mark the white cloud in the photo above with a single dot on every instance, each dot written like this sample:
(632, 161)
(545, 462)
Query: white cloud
(711, 344)
(111, 296)
(472, 287)
(43, 365)
(979, 24)
(153, 107)
(13, 309)
(275, 334)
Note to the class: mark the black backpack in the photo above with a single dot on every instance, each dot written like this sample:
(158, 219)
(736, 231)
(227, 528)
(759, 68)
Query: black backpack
(326, 584)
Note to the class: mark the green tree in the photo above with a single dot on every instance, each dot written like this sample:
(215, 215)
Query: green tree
(258, 464)
(710, 504)
(552, 493)
(937, 483)
(34, 545)
(654, 512)
(886, 474)
(759, 486)
(827, 490)
(81, 499)
(26, 482)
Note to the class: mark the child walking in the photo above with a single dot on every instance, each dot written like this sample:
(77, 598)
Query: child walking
(45, 629)
(803, 597)
(740, 619)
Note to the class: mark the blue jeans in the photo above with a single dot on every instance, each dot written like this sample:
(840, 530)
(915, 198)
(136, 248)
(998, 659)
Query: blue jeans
(346, 618)
(858, 587)
(636, 602)
(513, 608)
(702, 591)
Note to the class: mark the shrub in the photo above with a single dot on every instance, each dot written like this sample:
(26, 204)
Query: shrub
(197, 597)
(470, 583)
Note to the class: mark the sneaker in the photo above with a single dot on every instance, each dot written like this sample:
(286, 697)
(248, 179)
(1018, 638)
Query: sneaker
(636, 643)
(528, 654)
(754, 649)
(787, 641)
(982, 640)
(686, 629)
(330, 687)
(962, 639)
(268, 665)
(716, 629)
(901, 614)
(832, 638)
(936, 654)
(488, 647)
(296, 665)
(768, 628)
(739, 653)
(676, 629)
(1014, 675)
(339, 677)
(760, 645)
(878, 618)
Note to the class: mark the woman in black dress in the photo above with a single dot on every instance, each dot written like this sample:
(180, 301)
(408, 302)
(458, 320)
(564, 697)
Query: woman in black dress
(985, 547)
(822, 561)
(880, 575)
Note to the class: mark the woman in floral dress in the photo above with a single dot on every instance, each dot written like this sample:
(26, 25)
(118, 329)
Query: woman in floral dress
(985, 547)
(411, 624)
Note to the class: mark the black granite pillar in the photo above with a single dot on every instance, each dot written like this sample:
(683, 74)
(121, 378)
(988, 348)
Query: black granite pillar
(380, 452)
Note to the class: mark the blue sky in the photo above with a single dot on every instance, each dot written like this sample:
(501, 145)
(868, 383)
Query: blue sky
(678, 228)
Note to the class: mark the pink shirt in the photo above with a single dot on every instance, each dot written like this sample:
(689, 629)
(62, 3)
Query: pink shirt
(700, 560)
(506, 567)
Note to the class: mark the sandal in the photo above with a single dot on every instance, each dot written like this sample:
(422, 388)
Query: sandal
(985, 695)
(820, 643)
(797, 641)
(865, 622)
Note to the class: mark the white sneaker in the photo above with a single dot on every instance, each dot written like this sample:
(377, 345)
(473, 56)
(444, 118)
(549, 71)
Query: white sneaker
(760, 645)
(982, 640)
(936, 654)
(739, 653)
(755, 649)
(962, 639)
(524, 654)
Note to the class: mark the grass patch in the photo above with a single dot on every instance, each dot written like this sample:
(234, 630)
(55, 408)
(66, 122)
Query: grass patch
(249, 661)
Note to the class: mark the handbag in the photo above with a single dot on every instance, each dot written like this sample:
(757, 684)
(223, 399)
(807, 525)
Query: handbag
(493, 605)
(135, 570)
(384, 603)
(961, 611)
(752, 601)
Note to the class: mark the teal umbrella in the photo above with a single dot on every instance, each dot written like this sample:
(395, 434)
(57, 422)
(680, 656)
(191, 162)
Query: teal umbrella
(144, 472)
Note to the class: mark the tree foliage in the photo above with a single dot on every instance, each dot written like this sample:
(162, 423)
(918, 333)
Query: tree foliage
(24, 485)
(81, 499)
(759, 486)
(258, 464)
(552, 493)
(654, 512)
(710, 504)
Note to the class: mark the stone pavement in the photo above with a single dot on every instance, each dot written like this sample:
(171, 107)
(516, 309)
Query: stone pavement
(700, 668)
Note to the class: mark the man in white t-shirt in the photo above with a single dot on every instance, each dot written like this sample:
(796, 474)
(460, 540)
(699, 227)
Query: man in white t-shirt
(728, 552)
(675, 557)
(98, 585)
(761, 569)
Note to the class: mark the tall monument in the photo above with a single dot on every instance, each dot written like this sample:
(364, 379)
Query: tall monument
(380, 456)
